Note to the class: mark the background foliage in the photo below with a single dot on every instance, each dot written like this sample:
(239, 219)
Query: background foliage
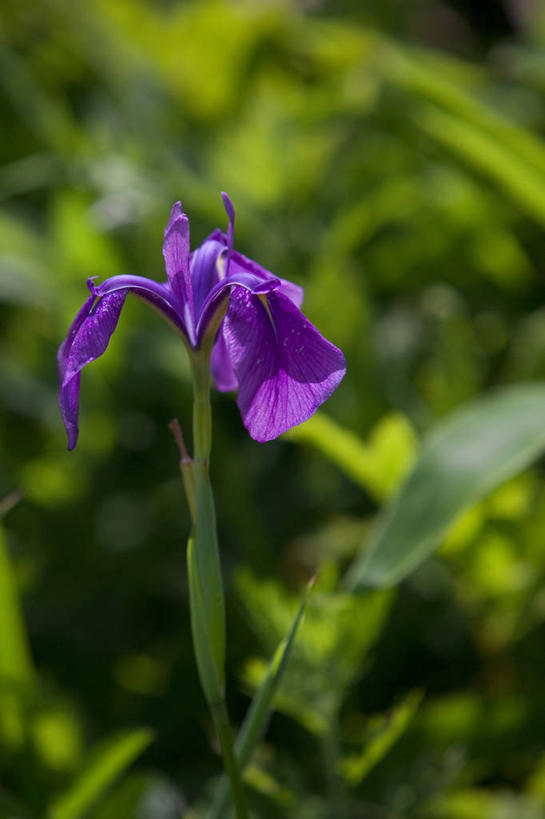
(390, 158)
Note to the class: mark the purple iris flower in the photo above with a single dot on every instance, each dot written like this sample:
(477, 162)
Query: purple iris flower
(264, 346)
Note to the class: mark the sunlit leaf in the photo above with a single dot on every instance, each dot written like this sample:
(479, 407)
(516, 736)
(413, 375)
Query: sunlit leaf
(376, 465)
(520, 180)
(481, 803)
(444, 81)
(470, 453)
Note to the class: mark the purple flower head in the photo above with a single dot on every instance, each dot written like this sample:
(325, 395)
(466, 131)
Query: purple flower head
(262, 344)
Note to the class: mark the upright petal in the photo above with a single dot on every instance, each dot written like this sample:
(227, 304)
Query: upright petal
(87, 339)
(284, 367)
(209, 264)
(221, 366)
(242, 264)
(204, 270)
(176, 254)
(216, 298)
(230, 211)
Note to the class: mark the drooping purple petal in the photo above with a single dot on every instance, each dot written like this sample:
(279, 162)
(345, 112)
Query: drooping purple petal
(284, 367)
(86, 341)
(176, 254)
(69, 395)
(69, 401)
(159, 296)
(64, 349)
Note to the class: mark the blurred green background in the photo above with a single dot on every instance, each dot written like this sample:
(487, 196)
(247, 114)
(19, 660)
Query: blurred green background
(389, 157)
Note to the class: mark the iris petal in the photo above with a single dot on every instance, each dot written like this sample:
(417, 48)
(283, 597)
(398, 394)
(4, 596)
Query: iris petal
(92, 328)
(204, 271)
(221, 366)
(176, 254)
(284, 367)
(242, 264)
(86, 341)
(158, 295)
(220, 292)
(230, 211)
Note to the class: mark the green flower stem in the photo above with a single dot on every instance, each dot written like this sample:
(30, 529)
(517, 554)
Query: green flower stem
(205, 581)
(223, 727)
(205, 538)
(259, 712)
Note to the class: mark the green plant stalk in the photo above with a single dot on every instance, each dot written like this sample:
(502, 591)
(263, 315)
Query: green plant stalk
(205, 582)
(259, 712)
(225, 734)
(206, 571)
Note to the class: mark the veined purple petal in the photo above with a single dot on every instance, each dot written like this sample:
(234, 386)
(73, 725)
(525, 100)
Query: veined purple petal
(64, 349)
(284, 367)
(176, 254)
(69, 394)
(92, 328)
(86, 341)
(69, 401)
(158, 295)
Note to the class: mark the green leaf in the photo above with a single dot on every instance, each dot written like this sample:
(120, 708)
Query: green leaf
(470, 453)
(210, 672)
(443, 81)
(377, 465)
(508, 153)
(109, 760)
(484, 803)
(523, 182)
(384, 732)
(259, 712)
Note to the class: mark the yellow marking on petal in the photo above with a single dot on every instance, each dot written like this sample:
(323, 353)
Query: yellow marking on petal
(220, 266)
(263, 299)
